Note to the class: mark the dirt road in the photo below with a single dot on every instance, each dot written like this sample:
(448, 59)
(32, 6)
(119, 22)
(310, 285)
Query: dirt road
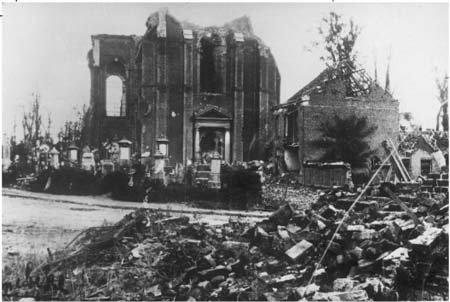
(33, 222)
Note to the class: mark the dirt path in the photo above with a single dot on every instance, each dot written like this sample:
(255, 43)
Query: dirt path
(33, 222)
(105, 202)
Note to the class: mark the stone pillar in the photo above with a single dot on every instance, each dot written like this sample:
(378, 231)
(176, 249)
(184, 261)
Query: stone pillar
(264, 107)
(188, 95)
(238, 113)
(149, 95)
(197, 144)
(196, 64)
(97, 99)
(162, 102)
(227, 145)
(222, 54)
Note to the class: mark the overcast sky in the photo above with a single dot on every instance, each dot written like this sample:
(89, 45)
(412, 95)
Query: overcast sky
(45, 47)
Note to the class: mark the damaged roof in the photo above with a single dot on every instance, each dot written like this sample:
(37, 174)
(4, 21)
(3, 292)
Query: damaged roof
(357, 82)
(241, 25)
(412, 143)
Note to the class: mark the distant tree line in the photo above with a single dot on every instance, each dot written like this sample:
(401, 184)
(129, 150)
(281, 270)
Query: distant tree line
(38, 131)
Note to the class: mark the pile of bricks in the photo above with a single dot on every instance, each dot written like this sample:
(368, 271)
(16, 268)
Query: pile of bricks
(383, 249)
(436, 183)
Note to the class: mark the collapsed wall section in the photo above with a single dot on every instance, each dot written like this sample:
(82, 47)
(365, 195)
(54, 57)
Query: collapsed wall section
(112, 56)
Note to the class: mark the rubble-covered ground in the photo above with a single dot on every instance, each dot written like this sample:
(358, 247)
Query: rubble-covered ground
(385, 250)
(33, 222)
(276, 193)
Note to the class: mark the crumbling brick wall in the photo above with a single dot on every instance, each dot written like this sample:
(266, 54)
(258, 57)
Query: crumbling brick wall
(251, 97)
(160, 61)
(436, 183)
(163, 80)
(108, 50)
(380, 111)
(175, 89)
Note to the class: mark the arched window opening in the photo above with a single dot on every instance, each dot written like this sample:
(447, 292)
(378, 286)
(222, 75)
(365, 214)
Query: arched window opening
(210, 64)
(115, 67)
(115, 99)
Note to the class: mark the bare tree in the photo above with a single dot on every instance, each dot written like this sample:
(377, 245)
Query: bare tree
(48, 129)
(76, 131)
(15, 127)
(442, 86)
(338, 39)
(32, 121)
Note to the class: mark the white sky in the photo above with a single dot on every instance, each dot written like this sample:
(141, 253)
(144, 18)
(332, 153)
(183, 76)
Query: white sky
(45, 47)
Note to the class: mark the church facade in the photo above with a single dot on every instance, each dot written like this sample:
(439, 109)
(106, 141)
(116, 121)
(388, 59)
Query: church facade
(197, 89)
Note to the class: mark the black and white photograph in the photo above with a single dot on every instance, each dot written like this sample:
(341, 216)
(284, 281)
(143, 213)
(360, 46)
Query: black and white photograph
(225, 151)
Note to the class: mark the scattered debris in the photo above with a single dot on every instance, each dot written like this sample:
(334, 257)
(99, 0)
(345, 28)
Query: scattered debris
(382, 252)
(297, 250)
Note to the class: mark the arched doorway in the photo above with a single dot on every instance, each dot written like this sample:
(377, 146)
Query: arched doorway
(114, 96)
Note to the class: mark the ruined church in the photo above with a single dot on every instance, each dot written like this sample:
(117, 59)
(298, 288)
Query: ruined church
(197, 89)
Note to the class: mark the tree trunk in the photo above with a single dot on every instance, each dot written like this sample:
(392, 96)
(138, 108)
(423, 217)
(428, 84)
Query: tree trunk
(437, 118)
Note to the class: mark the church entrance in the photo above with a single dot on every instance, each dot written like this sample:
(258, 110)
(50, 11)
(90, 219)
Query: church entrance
(212, 140)
(211, 136)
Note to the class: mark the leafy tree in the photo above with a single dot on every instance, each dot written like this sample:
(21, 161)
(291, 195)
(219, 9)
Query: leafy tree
(338, 38)
(443, 99)
(344, 139)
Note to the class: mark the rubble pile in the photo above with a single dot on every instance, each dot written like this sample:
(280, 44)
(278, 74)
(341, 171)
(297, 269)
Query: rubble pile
(386, 249)
(278, 191)
(435, 183)
(145, 256)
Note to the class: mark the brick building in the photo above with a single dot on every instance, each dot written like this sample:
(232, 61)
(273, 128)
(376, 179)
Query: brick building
(421, 155)
(328, 95)
(200, 89)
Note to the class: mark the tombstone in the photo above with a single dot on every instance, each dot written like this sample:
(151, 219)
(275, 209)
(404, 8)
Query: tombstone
(162, 145)
(54, 158)
(96, 153)
(39, 159)
(124, 151)
(88, 161)
(107, 166)
(179, 172)
(159, 168)
(6, 153)
(44, 155)
(114, 152)
(73, 154)
(146, 161)
(216, 161)
(86, 149)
